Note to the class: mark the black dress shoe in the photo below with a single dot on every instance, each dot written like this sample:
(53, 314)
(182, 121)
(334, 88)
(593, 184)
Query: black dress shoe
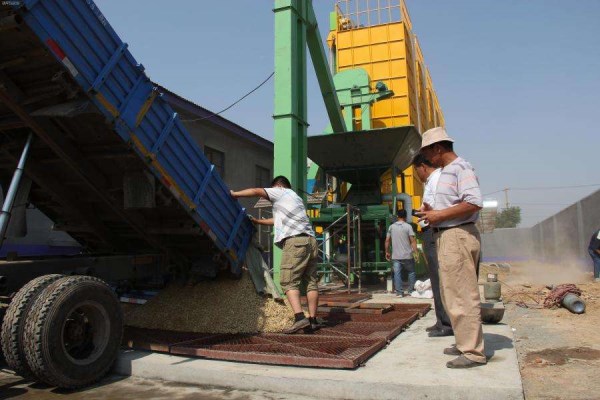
(298, 325)
(432, 328)
(441, 332)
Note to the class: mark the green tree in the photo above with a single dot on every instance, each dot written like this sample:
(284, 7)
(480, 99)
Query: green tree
(509, 217)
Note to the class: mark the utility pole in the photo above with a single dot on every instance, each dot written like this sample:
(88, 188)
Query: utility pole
(506, 196)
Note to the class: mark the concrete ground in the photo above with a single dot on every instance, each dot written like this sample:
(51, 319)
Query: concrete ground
(121, 387)
(412, 366)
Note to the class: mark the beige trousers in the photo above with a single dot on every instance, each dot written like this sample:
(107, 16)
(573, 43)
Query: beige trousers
(458, 253)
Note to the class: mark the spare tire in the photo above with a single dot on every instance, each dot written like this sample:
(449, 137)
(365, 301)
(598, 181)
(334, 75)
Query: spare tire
(14, 323)
(73, 335)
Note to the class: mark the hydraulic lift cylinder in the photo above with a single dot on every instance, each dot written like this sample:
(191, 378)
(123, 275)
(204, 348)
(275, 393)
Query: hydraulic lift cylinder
(13, 189)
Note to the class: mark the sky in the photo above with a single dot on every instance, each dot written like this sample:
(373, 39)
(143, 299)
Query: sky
(518, 80)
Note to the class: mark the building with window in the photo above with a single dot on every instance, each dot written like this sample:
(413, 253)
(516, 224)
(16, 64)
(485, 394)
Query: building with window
(242, 158)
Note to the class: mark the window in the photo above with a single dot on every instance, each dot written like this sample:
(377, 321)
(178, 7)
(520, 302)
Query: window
(263, 177)
(217, 158)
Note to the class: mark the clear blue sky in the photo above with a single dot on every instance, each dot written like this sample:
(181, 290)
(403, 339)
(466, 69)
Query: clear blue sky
(518, 81)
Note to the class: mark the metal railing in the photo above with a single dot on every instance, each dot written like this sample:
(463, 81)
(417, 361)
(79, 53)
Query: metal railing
(265, 237)
(347, 224)
(365, 13)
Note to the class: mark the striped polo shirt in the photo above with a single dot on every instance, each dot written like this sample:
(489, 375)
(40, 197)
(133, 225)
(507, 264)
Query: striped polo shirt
(457, 183)
(289, 214)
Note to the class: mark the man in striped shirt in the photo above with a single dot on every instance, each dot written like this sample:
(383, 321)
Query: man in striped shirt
(457, 204)
(295, 236)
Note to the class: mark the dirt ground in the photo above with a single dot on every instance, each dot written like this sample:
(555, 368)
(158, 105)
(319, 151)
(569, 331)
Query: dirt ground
(559, 352)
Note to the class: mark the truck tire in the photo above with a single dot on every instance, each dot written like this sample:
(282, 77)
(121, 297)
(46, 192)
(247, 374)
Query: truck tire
(73, 335)
(14, 323)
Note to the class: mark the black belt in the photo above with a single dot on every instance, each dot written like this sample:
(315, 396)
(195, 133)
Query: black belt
(443, 228)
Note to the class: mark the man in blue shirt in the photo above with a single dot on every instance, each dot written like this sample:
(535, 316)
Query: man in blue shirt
(401, 236)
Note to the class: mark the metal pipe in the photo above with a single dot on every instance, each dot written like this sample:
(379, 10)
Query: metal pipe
(13, 189)
(416, 81)
(359, 256)
(348, 242)
(407, 202)
(573, 303)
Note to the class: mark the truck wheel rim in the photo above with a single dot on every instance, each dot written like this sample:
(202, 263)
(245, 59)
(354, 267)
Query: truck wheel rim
(85, 332)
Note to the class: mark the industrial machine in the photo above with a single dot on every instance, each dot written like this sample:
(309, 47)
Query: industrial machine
(387, 99)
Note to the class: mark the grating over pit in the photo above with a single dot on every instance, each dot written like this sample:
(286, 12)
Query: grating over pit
(346, 341)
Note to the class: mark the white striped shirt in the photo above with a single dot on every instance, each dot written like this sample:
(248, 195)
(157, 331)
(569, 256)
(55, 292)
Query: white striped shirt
(289, 214)
(458, 183)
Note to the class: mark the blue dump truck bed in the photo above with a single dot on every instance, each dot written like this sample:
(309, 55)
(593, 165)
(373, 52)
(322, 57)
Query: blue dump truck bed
(104, 139)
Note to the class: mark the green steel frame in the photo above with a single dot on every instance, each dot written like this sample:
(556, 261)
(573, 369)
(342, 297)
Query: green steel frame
(295, 28)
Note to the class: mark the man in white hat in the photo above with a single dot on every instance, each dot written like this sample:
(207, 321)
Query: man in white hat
(452, 219)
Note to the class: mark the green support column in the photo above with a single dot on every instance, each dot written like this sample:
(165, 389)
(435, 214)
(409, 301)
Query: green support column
(324, 77)
(290, 100)
(295, 28)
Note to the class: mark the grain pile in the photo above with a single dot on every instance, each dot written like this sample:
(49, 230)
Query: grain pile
(222, 306)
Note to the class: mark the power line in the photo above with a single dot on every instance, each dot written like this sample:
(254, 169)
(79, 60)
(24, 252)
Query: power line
(543, 188)
(237, 101)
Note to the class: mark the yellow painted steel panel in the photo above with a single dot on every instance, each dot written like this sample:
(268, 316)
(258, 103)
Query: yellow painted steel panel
(399, 86)
(377, 123)
(399, 69)
(380, 34)
(362, 55)
(396, 31)
(400, 105)
(344, 58)
(361, 37)
(344, 39)
(398, 49)
(381, 71)
(380, 52)
(382, 109)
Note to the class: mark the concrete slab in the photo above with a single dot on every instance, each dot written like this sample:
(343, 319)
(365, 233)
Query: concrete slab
(412, 366)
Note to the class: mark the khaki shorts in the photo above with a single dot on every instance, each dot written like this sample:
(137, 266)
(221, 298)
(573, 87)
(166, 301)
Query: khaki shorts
(299, 263)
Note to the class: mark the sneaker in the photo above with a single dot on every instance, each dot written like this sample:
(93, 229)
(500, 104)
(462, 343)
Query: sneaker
(399, 294)
(452, 351)
(298, 325)
(432, 328)
(441, 333)
(462, 362)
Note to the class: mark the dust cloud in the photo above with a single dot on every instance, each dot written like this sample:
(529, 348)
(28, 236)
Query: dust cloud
(539, 273)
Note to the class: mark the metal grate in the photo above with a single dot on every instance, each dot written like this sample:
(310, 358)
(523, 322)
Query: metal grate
(346, 341)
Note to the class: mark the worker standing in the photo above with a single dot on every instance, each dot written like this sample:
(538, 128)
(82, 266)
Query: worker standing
(594, 250)
(452, 218)
(430, 175)
(295, 236)
(401, 237)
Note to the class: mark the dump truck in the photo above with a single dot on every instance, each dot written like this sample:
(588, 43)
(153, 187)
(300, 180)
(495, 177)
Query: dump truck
(86, 138)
